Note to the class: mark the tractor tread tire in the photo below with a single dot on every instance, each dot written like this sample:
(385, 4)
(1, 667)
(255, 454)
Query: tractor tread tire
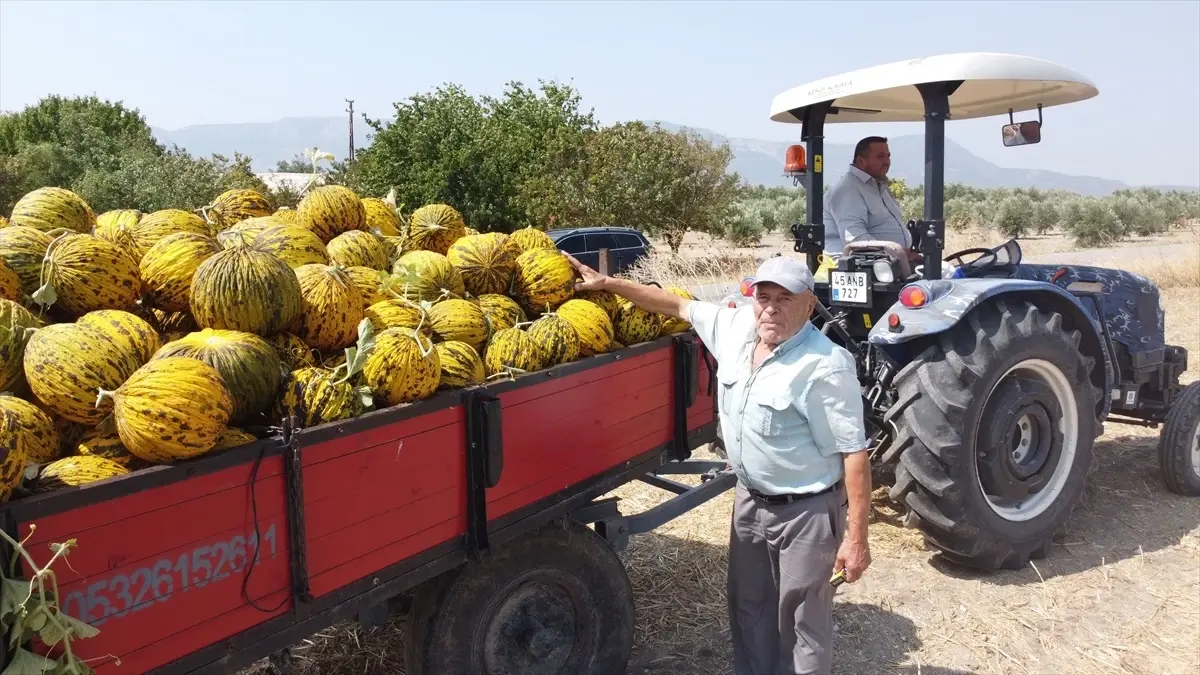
(1174, 443)
(940, 396)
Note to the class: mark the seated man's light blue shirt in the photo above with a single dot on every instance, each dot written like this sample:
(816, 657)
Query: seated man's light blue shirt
(860, 207)
(785, 424)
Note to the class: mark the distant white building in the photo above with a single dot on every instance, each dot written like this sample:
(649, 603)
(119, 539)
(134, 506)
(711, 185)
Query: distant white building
(296, 181)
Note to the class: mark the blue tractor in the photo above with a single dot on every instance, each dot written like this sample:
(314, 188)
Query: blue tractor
(986, 380)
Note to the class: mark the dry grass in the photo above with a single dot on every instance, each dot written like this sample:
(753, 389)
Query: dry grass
(1118, 594)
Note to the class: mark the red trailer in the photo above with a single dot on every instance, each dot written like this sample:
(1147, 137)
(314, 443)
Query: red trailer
(475, 511)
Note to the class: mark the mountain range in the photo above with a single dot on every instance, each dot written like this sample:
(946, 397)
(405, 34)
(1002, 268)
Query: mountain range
(758, 161)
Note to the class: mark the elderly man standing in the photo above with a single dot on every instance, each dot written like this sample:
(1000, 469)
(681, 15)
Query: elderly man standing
(792, 421)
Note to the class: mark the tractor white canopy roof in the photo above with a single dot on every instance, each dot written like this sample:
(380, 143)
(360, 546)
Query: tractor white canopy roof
(992, 84)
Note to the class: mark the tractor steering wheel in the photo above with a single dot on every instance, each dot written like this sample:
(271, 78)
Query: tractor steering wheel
(968, 251)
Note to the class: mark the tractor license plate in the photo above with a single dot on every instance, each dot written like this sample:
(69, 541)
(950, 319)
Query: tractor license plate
(849, 288)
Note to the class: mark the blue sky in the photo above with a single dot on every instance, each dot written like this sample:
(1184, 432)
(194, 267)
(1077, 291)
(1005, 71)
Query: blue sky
(706, 64)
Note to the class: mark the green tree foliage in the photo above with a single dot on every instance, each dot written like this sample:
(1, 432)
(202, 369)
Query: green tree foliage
(664, 183)
(493, 159)
(107, 153)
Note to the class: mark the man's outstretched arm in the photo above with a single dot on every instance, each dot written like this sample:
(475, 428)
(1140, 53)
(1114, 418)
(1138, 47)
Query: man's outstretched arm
(649, 298)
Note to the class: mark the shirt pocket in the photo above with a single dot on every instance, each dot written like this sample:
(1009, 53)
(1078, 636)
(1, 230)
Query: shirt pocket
(776, 416)
(726, 381)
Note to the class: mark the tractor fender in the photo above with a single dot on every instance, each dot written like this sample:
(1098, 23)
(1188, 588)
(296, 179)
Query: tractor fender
(950, 300)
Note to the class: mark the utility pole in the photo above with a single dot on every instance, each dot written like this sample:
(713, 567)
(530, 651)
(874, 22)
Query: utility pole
(351, 111)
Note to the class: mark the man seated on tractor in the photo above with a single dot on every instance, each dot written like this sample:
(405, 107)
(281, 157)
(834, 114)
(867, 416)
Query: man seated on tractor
(792, 420)
(860, 208)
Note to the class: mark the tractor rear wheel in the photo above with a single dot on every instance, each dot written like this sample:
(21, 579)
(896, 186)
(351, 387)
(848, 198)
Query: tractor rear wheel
(1179, 443)
(995, 422)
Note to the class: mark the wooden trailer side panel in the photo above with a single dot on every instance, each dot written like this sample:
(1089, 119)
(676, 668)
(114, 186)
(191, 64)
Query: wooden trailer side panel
(376, 497)
(161, 571)
(567, 430)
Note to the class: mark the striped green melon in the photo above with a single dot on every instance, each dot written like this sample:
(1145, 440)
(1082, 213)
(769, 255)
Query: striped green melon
(425, 275)
(23, 250)
(357, 248)
(13, 456)
(556, 339)
(434, 227)
(528, 239)
(635, 325)
(167, 269)
(485, 262)
(403, 366)
(87, 273)
(293, 353)
(671, 325)
(398, 313)
(247, 290)
(544, 280)
(156, 226)
(330, 210)
(459, 320)
(117, 226)
(381, 217)
(104, 441)
(235, 205)
(604, 299)
(37, 430)
(395, 247)
(591, 323)
(460, 364)
(246, 231)
(332, 308)
(75, 470)
(249, 366)
(133, 333)
(501, 311)
(292, 244)
(317, 396)
(16, 323)
(67, 364)
(10, 283)
(287, 215)
(53, 208)
(512, 351)
(369, 282)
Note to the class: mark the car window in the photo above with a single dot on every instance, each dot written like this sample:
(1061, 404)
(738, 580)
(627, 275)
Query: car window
(599, 240)
(626, 240)
(572, 244)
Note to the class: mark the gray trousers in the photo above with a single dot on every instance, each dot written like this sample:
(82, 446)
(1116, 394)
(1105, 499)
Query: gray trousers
(780, 601)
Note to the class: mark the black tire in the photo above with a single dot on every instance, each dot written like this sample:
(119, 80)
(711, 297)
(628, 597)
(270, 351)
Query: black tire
(557, 601)
(1179, 443)
(957, 415)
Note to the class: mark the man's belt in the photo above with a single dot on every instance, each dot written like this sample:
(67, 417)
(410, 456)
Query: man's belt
(790, 498)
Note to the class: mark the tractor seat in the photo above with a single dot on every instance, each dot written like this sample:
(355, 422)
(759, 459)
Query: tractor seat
(893, 250)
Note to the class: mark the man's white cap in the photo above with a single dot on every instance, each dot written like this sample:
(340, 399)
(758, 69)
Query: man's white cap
(786, 271)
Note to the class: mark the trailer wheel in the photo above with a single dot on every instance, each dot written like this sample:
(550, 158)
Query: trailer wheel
(995, 425)
(556, 602)
(1179, 443)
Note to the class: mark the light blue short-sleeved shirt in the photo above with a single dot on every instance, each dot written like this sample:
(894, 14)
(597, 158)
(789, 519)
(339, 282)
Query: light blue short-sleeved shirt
(785, 424)
(860, 207)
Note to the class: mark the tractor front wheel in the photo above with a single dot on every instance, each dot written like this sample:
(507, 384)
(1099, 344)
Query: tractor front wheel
(1179, 443)
(995, 423)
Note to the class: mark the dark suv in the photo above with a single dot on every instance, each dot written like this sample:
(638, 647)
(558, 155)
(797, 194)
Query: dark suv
(625, 245)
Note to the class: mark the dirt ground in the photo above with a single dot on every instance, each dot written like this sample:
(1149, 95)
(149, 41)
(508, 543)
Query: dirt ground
(1120, 593)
